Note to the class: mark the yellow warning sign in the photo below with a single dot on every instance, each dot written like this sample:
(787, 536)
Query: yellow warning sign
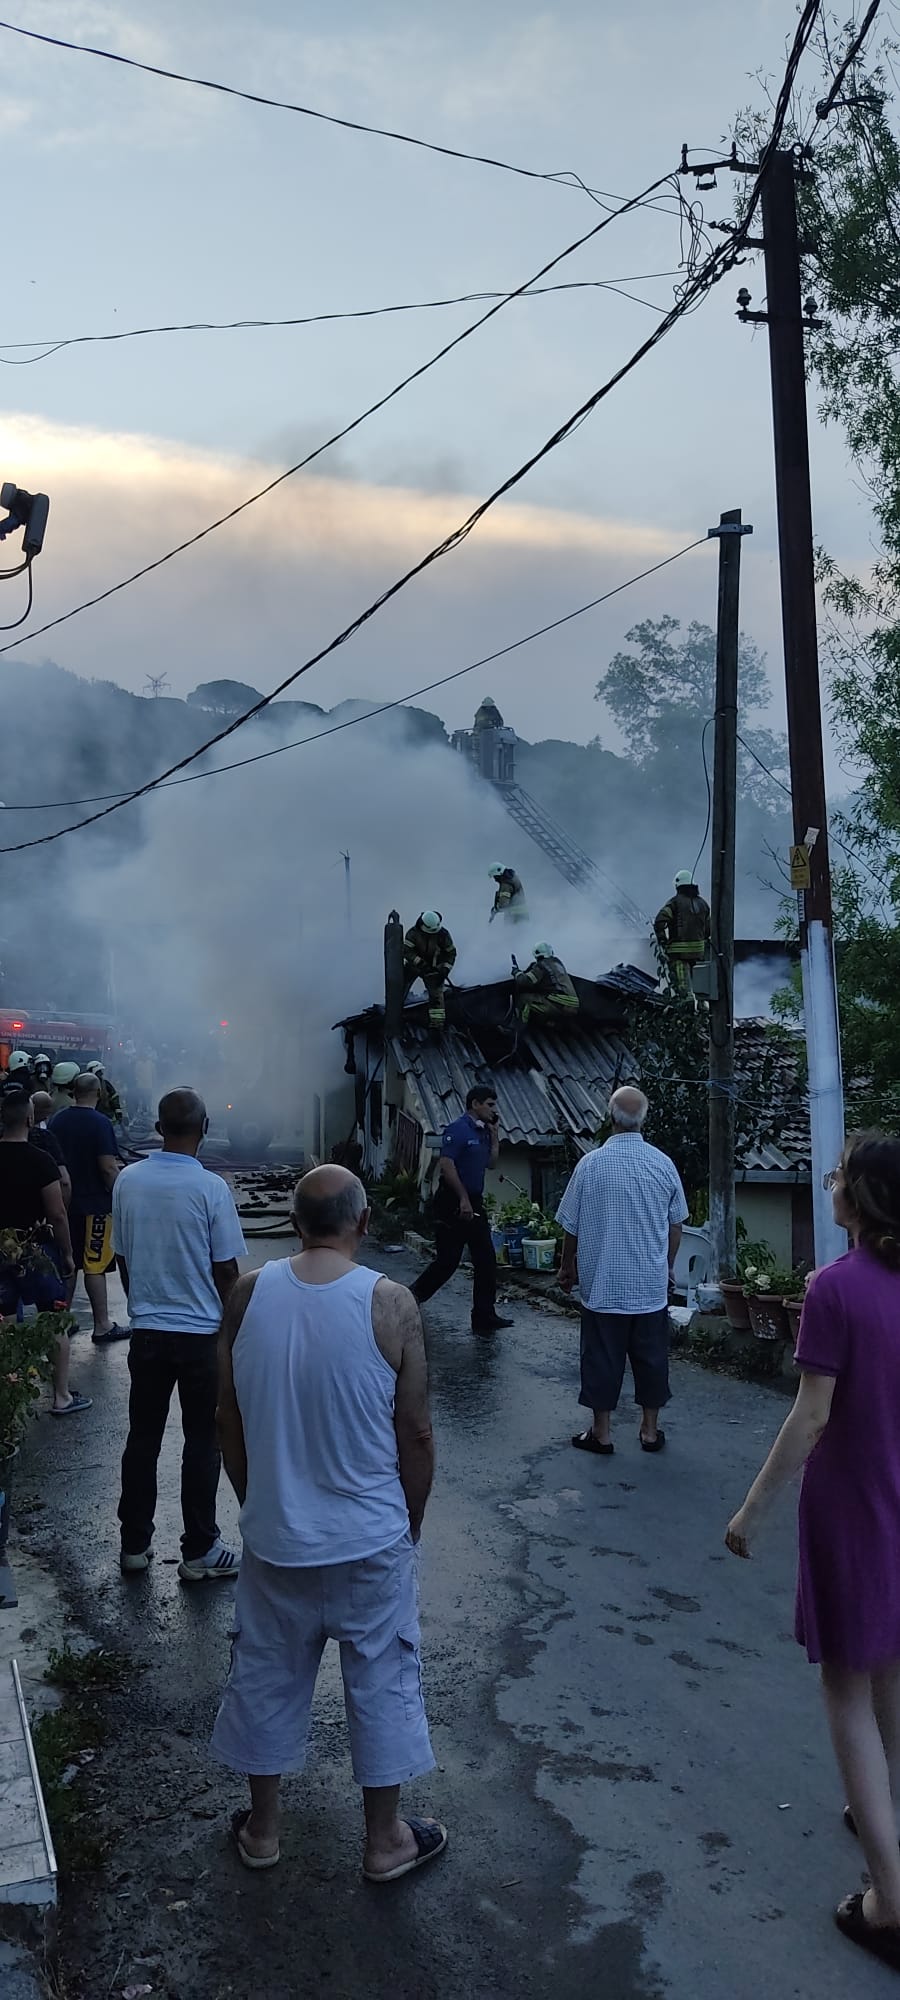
(800, 866)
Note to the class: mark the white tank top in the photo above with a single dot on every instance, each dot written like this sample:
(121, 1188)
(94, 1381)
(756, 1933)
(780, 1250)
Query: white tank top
(316, 1398)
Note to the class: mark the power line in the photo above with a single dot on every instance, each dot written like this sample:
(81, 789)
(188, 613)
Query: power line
(853, 853)
(564, 177)
(262, 492)
(384, 708)
(826, 105)
(718, 261)
(54, 345)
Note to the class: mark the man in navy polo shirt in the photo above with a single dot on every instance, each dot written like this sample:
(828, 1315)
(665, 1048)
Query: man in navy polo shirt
(470, 1145)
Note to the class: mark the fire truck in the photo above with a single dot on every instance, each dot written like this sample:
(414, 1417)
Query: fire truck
(88, 1039)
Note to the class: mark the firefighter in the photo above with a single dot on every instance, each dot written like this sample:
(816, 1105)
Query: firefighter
(19, 1072)
(429, 954)
(487, 716)
(683, 931)
(42, 1067)
(61, 1082)
(509, 895)
(544, 992)
(109, 1101)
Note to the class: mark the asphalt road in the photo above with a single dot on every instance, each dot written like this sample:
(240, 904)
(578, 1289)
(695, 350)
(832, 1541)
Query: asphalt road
(632, 1762)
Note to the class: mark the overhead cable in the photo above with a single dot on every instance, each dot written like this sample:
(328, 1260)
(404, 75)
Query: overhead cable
(564, 177)
(384, 708)
(55, 345)
(381, 403)
(826, 105)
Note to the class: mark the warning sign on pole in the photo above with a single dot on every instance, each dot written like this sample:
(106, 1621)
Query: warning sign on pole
(800, 867)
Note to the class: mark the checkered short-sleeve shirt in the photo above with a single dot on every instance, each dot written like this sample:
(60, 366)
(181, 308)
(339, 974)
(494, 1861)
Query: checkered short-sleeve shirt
(620, 1203)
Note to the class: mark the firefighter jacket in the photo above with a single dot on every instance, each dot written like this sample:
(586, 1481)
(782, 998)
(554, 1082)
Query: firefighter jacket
(510, 893)
(431, 953)
(683, 924)
(547, 979)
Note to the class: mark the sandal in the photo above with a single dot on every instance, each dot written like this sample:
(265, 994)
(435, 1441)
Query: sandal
(77, 1402)
(653, 1444)
(238, 1823)
(883, 1941)
(430, 1838)
(586, 1441)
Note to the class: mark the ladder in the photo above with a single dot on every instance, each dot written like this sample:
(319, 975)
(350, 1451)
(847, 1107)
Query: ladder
(571, 860)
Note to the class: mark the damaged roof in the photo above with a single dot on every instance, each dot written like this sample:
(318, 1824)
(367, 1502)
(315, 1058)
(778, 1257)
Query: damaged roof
(551, 1087)
(774, 1140)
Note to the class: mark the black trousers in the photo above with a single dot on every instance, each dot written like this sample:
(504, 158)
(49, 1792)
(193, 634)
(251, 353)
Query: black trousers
(452, 1235)
(157, 1364)
(608, 1340)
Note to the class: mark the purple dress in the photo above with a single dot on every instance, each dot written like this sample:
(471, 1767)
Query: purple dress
(848, 1590)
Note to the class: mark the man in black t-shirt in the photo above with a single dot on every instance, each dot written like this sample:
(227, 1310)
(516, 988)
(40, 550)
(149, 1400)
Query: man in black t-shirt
(31, 1199)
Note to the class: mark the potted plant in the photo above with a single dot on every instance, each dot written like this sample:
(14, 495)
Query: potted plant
(28, 1339)
(763, 1292)
(751, 1259)
(541, 1245)
(514, 1222)
(792, 1299)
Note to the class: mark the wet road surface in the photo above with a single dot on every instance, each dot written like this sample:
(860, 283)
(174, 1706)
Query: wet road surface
(632, 1763)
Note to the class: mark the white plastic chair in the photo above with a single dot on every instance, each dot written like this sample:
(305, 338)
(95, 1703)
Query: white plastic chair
(693, 1264)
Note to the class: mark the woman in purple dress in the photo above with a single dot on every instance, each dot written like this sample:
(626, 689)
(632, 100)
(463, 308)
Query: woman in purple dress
(845, 1428)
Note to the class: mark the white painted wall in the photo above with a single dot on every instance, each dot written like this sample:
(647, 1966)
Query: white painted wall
(767, 1215)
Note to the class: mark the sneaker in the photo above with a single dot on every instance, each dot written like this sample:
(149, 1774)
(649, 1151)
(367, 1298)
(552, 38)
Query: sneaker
(219, 1563)
(131, 1563)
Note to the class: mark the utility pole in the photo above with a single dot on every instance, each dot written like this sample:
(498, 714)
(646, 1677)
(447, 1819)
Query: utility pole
(810, 865)
(348, 893)
(722, 1221)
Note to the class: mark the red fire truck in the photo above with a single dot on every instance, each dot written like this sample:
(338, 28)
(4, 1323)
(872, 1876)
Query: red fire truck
(85, 1040)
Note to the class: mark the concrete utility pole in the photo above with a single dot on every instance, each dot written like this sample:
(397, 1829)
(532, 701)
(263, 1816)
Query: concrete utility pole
(810, 871)
(722, 1221)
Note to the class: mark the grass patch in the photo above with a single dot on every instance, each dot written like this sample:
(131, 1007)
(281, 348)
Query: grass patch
(61, 1740)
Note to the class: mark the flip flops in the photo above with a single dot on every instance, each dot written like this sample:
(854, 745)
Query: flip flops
(78, 1402)
(653, 1444)
(882, 1942)
(238, 1823)
(586, 1441)
(430, 1838)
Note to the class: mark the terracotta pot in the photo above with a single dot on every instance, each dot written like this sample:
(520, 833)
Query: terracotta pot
(793, 1308)
(736, 1306)
(768, 1318)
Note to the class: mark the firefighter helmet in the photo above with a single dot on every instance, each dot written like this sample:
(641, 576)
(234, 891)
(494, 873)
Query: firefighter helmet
(19, 1060)
(497, 870)
(431, 920)
(64, 1074)
(684, 879)
(96, 1068)
(544, 951)
(42, 1065)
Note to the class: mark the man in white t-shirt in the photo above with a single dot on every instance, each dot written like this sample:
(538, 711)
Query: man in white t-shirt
(177, 1240)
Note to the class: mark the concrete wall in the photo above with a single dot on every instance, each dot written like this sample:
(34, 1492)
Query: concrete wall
(767, 1214)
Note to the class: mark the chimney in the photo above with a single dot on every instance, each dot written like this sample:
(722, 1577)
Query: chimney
(393, 975)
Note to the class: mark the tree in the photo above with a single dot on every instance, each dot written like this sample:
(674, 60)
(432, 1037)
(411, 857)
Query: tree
(663, 692)
(224, 697)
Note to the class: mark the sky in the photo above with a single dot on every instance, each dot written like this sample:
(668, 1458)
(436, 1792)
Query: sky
(131, 201)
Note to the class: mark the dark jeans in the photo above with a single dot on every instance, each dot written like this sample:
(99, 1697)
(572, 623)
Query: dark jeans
(608, 1340)
(157, 1364)
(451, 1235)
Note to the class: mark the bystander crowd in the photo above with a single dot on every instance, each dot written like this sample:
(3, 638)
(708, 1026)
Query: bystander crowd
(622, 1214)
(177, 1238)
(327, 1442)
(34, 1223)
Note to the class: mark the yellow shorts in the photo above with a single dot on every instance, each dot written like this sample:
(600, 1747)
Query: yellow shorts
(92, 1244)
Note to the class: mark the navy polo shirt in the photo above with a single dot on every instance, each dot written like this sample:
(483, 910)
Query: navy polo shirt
(468, 1145)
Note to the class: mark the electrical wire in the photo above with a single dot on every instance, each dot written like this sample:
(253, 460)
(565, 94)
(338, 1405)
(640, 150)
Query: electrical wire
(55, 346)
(564, 177)
(853, 853)
(262, 492)
(27, 611)
(718, 261)
(384, 708)
(826, 105)
(707, 725)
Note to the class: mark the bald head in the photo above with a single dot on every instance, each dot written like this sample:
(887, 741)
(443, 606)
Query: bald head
(628, 1109)
(86, 1089)
(330, 1206)
(42, 1105)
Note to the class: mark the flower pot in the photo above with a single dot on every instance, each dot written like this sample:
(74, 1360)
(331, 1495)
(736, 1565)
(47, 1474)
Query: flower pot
(736, 1306)
(513, 1240)
(498, 1238)
(7, 1461)
(793, 1308)
(539, 1253)
(768, 1318)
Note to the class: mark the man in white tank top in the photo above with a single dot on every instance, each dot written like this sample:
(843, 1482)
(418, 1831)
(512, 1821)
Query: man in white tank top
(326, 1438)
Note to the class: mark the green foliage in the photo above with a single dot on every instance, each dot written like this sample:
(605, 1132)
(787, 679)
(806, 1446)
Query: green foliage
(26, 1360)
(395, 1203)
(663, 691)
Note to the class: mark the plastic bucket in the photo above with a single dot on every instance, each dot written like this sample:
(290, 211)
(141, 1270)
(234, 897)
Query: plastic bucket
(513, 1240)
(499, 1242)
(539, 1253)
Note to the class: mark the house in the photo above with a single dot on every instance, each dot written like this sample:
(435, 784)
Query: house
(552, 1082)
(773, 1148)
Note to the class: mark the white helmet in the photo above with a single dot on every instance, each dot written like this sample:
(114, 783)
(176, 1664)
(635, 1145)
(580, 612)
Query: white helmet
(42, 1064)
(431, 920)
(497, 870)
(684, 879)
(19, 1060)
(64, 1074)
(96, 1069)
(544, 951)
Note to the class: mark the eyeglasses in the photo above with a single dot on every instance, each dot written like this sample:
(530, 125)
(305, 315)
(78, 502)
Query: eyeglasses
(830, 1180)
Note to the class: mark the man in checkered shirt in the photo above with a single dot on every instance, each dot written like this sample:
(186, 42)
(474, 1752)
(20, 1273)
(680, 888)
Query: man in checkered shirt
(622, 1213)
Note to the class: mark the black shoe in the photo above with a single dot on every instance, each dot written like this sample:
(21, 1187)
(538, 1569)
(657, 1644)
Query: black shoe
(492, 1325)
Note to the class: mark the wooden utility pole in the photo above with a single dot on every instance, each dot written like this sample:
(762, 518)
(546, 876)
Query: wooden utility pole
(811, 874)
(722, 1224)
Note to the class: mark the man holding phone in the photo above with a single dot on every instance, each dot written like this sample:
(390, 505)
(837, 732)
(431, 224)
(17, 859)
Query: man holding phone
(469, 1146)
